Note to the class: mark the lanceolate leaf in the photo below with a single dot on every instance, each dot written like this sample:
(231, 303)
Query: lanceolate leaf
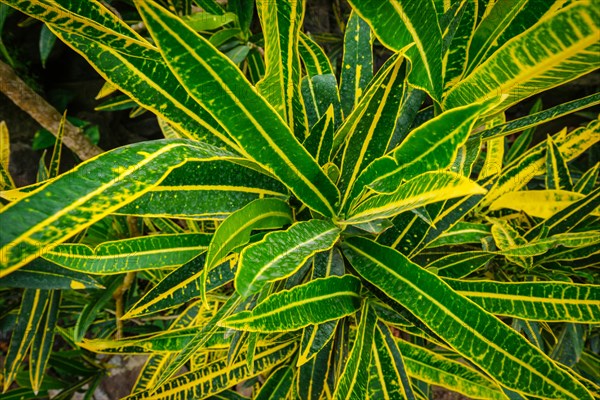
(281, 253)
(554, 51)
(160, 251)
(425, 189)
(537, 203)
(235, 230)
(428, 366)
(31, 312)
(312, 376)
(320, 140)
(557, 171)
(432, 146)
(217, 376)
(398, 23)
(43, 341)
(357, 63)
(455, 58)
(314, 58)
(55, 211)
(587, 182)
(315, 302)
(475, 334)
(181, 286)
(208, 190)
(281, 22)
(320, 93)
(371, 135)
(352, 383)
(278, 385)
(42, 274)
(220, 87)
(544, 301)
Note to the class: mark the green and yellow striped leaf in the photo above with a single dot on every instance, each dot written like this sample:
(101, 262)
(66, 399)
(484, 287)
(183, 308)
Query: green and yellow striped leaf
(235, 230)
(371, 133)
(216, 376)
(311, 381)
(54, 212)
(424, 189)
(542, 301)
(320, 93)
(42, 274)
(552, 52)
(398, 23)
(278, 384)
(313, 56)
(458, 265)
(31, 313)
(461, 233)
(540, 246)
(43, 341)
(282, 253)
(320, 140)
(315, 302)
(537, 203)
(352, 383)
(557, 171)
(501, 23)
(432, 146)
(587, 182)
(128, 255)
(455, 58)
(433, 368)
(389, 379)
(181, 286)
(220, 87)
(480, 337)
(6, 181)
(207, 190)
(281, 22)
(518, 174)
(357, 62)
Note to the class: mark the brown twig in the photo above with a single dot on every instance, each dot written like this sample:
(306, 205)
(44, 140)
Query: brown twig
(33, 104)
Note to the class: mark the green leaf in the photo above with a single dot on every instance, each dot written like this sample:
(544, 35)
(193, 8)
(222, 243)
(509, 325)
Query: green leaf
(281, 253)
(371, 132)
(54, 212)
(552, 52)
(313, 56)
(278, 384)
(401, 22)
(433, 368)
(315, 302)
(320, 93)
(389, 379)
(281, 22)
(47, 40)
(455, 58)
(43, 341)
(357, 62)
(587, 182)
(312, 375)
(31, 313)
(181, 286)
(203, 21)
(458, 265)
(523, 141)
(216, 376)
(220, 87)
(126, 255)
(352, 383)
(424, 189)
(542, 301)
(432, 146)
(475, 334)
(320, 140)
(235, 230)
(244, 9)
(557, 171)
(42, 274)
(208, 190)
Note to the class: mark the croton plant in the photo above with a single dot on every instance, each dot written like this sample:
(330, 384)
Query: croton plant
(316, 228)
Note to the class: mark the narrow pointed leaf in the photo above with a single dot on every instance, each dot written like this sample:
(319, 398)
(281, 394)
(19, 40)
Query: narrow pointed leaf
(54, 212)
(587, 182)
(554, 51)
(281, 253)
(357, 62)
(315, 302)
(352, 383)
(557, 171)
(320, 140)
(42, 274)
(312, 376)
(425, 189)
(281, 22)
(400, 22)
(278, 385)
(313, 56)
(543, 301)
(220, 87)
(475, 334)
(537, 203)
(43, 341)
